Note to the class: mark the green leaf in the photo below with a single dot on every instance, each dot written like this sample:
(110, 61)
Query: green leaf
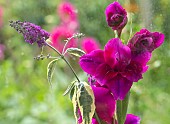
(75, 51)
(50, 70)
(85, 99)
(72, 92)
(75, 104)
(69, 88)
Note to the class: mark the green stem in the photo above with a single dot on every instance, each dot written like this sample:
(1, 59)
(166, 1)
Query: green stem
(121, 109)
(119, 32)
(64, 60)
(97, 118)
(125, 106)
(71, 69)
(62, 56)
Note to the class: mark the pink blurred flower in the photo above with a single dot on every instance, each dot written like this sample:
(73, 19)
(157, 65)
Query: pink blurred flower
(68, 15)
(1, 16)
(89, 44)
(59, 34)
(2, 48)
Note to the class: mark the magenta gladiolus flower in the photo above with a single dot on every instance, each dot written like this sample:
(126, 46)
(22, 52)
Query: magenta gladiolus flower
(89, 44)
(132, 119)
(59, 34)
(113, 67)
(31, 32)
(116, 16)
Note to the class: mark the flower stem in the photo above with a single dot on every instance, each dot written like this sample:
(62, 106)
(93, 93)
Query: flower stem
(119, 32)
(97, 118)
(62, 56)
(125, 106)
(121, 109)
(71, 69)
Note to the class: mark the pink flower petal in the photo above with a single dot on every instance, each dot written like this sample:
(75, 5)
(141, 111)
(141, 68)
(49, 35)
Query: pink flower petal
(59, 34)
(90, 62)
(94, 121)
(89, 44)
(67, 12)
(132, 119)
(133, 71)
(119, 86)
(145, 41)
(142, 58)
(158, 39)
(105, 104)
(116, 52)
(104, 73)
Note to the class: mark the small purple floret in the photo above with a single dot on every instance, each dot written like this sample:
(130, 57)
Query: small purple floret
(31, 32)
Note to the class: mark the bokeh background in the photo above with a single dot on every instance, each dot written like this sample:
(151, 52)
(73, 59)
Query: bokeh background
(26, 96)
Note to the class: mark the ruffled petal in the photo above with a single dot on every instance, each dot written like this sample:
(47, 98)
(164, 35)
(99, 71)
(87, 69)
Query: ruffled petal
(145, 68)
(132, 119)
(143, 31)
(89, 62)
(142, 58)
(133, 71)
(117, 53)
(145, 41)
(158, 39)
(104, 73)
(105, 104)
(119, 86)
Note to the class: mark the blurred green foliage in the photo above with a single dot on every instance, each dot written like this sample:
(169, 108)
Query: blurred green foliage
(25, 95)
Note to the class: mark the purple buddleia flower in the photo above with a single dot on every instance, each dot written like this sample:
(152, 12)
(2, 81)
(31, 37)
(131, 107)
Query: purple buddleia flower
(31, 32)
(116, 16)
